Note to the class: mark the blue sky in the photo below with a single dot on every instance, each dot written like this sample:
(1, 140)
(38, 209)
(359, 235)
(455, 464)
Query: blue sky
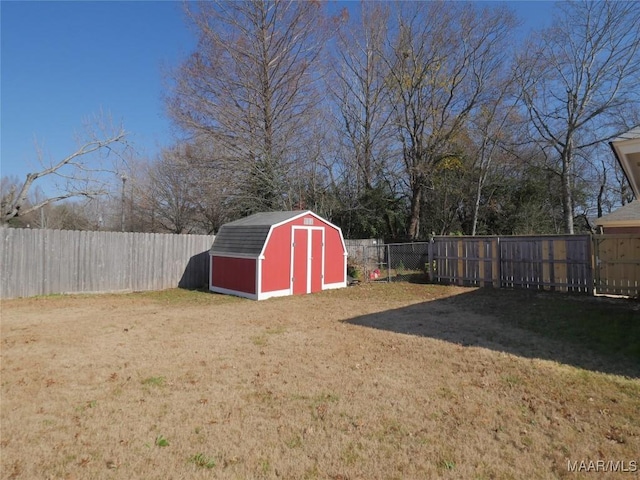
(64, 62)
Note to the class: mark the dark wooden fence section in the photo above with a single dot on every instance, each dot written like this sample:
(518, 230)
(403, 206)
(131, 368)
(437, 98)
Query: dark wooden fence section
(547, 263)
(468, 261)
(559, 262)
(593, 264)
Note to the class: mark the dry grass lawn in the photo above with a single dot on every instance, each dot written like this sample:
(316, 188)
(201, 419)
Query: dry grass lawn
(372, 382)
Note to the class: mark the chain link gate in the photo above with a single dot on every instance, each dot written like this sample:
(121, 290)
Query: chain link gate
(396, 262)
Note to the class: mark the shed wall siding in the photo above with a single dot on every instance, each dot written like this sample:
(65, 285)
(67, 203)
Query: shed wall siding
(317, 260)
(276, 266)
(335, 264)
(277, 259)
(237, 274)
(299, 258)
(270, 272)
(315, 222)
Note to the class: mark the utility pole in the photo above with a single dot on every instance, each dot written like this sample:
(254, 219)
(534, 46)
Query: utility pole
(124, 180)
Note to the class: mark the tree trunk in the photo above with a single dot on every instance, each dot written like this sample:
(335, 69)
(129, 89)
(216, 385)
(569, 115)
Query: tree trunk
(414, 220)
(567, 197)
(476, 204)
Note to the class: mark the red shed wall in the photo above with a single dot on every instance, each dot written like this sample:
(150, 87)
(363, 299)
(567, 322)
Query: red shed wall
(316, 262)
(300, 261)
(276, 266)
(334, 259)
(237, 274)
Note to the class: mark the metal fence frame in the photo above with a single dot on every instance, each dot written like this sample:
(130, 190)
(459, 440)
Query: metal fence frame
(400, 262)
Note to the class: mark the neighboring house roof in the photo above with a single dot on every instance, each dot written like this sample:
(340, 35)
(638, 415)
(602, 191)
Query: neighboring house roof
(633, 133)
(626, 216)
(627, 150)
(246, 237)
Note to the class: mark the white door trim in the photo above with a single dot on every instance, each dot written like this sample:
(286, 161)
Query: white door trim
(309, 258)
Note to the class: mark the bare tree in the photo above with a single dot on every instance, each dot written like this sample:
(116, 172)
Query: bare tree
(491, 128)
(76, 175)
(250, 89)
(172, 193)
(213, 187)
(132, 205)
(578, 78)
(440, 62)
(358, 87)
(364, 144)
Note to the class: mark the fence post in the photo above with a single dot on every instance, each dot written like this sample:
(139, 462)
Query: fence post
(388, 263)
(592, 266)
(430, 260)
(499, 255)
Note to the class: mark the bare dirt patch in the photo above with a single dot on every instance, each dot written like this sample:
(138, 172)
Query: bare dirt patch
(375, 381)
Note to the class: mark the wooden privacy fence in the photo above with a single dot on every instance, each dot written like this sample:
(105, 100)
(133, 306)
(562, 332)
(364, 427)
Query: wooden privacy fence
(617, 264)
(42, 262)
(570, 263)
(545, 262)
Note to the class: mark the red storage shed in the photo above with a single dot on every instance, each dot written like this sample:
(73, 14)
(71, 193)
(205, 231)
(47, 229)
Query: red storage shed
(278, 253)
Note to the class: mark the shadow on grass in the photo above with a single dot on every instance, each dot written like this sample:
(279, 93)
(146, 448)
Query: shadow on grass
(597, 334)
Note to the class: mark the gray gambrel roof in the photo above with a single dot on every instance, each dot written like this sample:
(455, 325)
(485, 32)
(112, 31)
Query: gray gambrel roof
(246, 237)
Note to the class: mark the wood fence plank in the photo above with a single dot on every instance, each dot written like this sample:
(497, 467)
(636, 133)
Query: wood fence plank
(42, 262)
(538, 262)
(617, 264)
